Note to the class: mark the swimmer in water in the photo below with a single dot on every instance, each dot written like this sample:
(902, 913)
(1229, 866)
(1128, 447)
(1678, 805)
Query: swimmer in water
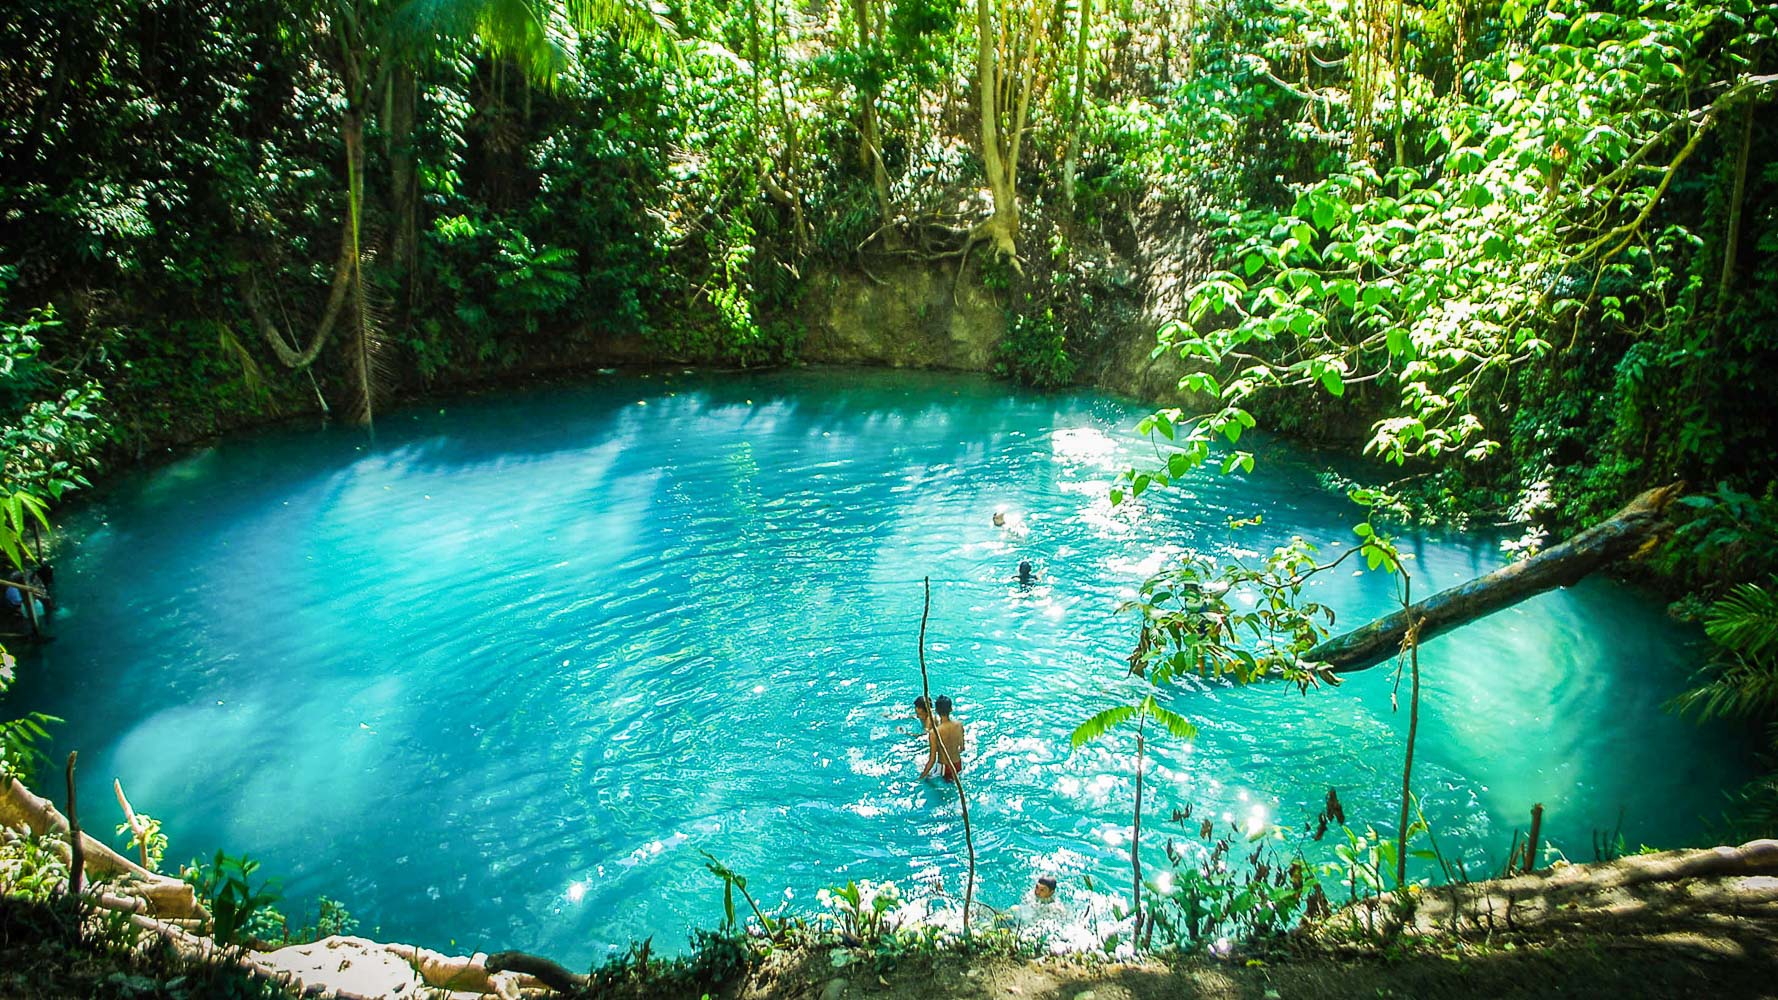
(1045, 889)
(1027, 576)
(923, 712)
(944, 742)
(1000, 519)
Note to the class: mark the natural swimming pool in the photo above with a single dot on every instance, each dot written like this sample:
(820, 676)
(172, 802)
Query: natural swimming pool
(495, 676)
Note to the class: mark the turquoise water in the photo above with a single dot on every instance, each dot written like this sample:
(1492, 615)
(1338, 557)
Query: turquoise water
(496, 676)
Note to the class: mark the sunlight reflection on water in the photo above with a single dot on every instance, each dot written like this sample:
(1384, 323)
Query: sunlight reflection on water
(498, 675)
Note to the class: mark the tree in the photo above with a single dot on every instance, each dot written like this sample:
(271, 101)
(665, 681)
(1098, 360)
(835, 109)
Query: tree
(1076, 100)
(1012, 70)
(868, 24)
(373, 45)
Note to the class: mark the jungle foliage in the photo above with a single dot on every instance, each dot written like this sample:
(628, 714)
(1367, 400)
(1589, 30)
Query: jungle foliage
(1524, 255)
(1529, 245)
(1532, 246)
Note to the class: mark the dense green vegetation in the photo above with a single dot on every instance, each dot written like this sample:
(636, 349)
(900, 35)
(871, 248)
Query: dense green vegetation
(1525, 256)
(1536, 238)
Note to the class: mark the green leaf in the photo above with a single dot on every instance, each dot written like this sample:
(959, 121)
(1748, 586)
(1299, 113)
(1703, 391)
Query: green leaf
(1745, 621)
(1102, 723)
(1176, 724)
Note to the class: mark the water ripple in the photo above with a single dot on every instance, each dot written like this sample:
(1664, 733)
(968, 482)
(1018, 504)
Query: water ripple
(497, 676)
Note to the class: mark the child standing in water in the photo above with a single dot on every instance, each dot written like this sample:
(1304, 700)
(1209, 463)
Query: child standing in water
(945, 742)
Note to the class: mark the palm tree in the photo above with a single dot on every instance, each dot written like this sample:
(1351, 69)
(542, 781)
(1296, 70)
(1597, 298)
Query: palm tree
(375, 47)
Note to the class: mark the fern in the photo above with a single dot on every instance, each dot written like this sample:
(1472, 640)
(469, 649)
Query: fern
(1731, 688)
(1741, 681)
(1746, 621)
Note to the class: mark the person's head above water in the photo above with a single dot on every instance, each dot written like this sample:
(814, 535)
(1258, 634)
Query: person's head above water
(1045, 888)
(1024, 571)
(943, 705)
(1000, 519)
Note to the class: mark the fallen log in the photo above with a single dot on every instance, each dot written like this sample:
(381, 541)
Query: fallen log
(168, 897)
(1641, 522)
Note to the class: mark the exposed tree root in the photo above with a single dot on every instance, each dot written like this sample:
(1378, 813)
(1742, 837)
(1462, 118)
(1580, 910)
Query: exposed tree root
(1677, 891)
(163, 896)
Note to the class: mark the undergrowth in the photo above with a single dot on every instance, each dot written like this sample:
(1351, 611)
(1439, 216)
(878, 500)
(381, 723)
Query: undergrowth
(46, 960)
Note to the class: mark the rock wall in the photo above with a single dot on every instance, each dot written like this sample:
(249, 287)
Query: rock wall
(904, 316)
(909, 314)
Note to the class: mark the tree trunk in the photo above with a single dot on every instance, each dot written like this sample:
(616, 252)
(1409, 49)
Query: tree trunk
(792, 145)
(1732, 238)
(356, 72)
(539, 968)
(1070, 158)
(347, 269)
(404, 179)
(1002, 228)
(1190, 32)
(870, 150)
(1009, 81)
(1400, 111)
(1136, 839)
(362, 401)
(1628, 532)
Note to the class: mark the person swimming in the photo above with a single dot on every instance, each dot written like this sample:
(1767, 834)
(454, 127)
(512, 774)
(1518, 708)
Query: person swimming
(923, 712)
(1000, 519)
(1027, 576)
(944, 743)
(1041, 915)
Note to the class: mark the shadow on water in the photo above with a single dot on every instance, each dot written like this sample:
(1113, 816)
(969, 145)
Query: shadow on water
(495, 676)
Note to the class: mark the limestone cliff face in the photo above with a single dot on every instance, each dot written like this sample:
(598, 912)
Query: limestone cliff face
(903, 317)
(907, 316)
